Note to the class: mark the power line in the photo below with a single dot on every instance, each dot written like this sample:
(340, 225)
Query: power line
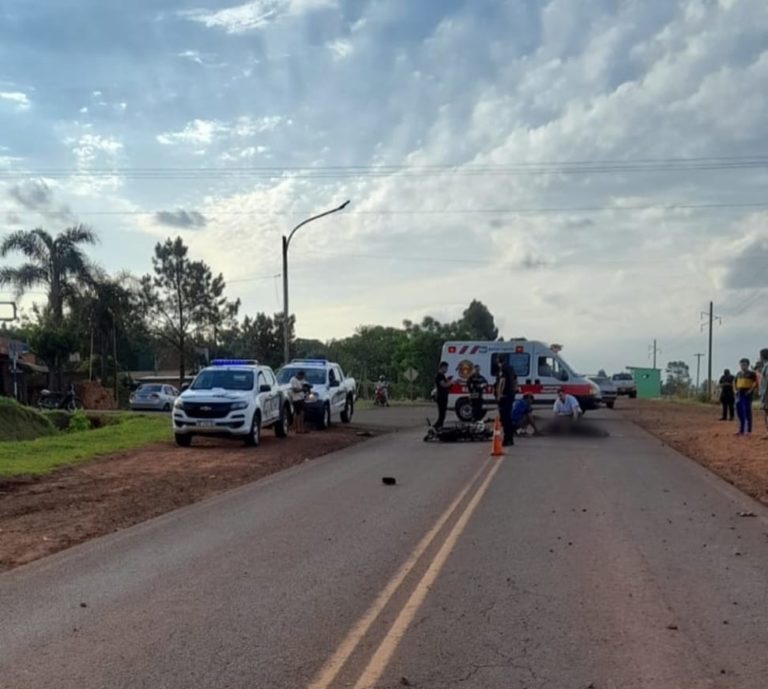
(459, 169)
(449, 211)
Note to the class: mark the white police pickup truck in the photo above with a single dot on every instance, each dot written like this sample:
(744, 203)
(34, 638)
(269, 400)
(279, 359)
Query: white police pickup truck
(231, 398)
(332, 394)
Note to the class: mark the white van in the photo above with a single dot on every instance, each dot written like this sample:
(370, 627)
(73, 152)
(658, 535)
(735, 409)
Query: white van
(540, 370)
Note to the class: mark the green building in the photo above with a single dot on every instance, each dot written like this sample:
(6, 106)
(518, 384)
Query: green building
(648, 381)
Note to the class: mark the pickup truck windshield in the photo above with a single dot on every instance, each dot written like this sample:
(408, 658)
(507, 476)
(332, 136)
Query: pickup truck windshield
(314, 376)
(229, 380)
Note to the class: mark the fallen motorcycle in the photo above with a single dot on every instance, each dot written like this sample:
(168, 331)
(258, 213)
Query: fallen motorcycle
(458, 432)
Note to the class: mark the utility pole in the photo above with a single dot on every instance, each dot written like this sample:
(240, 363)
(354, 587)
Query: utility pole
(655, 350)
(698, 356)
(710, 319)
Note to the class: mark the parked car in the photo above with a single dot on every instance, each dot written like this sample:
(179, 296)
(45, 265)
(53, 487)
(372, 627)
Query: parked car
(625, 384)
(153, 397)
(608, 391)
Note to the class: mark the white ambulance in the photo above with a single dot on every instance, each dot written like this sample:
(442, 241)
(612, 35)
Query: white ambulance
(540, 370)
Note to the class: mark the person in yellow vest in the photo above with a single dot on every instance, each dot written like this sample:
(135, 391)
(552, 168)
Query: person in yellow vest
(745, 385)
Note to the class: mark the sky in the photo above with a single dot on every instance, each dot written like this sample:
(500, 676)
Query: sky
(593, 171)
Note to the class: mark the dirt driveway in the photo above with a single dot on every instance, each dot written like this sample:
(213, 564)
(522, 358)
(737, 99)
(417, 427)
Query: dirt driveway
(41, 516)
(695, 431)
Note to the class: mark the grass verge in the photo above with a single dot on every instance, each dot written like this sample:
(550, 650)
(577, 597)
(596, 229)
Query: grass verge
(43, 455)
(21, 423)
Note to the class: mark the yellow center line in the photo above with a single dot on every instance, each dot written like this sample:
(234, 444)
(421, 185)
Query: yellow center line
(391, 641)
(328, 673)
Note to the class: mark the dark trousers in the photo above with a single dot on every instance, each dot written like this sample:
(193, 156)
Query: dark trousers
(442, 407)
(505, 412)
(728, 403)
(744, 410)
(477, 408)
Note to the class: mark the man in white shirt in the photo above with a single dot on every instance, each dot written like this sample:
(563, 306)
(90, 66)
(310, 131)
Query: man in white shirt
(566, 406)
(298, 396)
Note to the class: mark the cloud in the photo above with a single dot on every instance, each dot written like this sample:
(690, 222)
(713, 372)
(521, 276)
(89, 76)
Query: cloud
(202, 133)
(255, 15)
(33, 194)
(38, 196)
(17, 98)
(340, 49)
(748, 269)
(181, 218)
(90, 147)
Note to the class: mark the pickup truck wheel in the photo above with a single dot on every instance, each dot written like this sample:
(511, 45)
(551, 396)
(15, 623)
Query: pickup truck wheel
(632, 395)
(254, 437)
(325, 420)
(349, 409)
(610, 405)
(183, 440)
(464, 409)
(283, 423)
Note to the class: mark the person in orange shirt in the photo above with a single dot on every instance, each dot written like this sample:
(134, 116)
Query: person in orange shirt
(745, 385)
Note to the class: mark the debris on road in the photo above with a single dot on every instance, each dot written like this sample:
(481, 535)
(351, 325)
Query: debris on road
(388, 480)
(747, 514)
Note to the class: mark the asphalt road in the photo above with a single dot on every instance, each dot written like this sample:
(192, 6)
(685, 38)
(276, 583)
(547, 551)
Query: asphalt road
(577, 562)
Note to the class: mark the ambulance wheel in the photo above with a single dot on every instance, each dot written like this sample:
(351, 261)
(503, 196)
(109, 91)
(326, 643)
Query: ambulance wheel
(464, 409)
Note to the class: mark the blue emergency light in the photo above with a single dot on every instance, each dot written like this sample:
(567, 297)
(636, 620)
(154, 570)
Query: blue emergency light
(234, 362)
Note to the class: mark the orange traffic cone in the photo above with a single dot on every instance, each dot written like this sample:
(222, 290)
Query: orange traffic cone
(496, 450)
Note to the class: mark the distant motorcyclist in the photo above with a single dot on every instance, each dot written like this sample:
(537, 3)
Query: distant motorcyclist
(382, 391)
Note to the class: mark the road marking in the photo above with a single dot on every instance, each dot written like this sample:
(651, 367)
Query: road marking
(328, 673)
(391, 641)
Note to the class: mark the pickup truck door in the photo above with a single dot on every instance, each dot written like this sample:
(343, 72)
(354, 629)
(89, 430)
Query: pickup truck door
(336, 388)
(269, 398)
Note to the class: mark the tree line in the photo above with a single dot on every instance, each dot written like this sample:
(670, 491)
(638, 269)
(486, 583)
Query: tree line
(101, 326)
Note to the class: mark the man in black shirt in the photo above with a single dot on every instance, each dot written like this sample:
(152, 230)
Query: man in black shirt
(506, 388)
(442, 383)
(727, 396)
(476, 385)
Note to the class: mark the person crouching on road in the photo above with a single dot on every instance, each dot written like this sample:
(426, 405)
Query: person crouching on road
(506, 389)
(476, 385)
(298, 397)
(442, 384)
(746, 384)
(566, 409)
(522, 415)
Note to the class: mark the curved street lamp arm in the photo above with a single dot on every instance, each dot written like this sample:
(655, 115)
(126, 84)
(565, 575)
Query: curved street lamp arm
(309, 220)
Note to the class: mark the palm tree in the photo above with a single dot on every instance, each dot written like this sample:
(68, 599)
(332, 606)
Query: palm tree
(58, 263)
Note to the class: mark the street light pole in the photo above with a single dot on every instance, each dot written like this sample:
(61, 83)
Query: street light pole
(286, 244)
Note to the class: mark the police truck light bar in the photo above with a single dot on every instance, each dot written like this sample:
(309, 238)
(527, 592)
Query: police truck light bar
(234, 362)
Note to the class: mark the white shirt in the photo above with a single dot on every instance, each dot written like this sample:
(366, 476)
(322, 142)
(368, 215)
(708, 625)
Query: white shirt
(297, 389)
(569, 406)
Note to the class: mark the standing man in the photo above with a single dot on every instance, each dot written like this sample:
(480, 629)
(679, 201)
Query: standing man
(763, 389)
(442, 384)
(298, 395)
(745, 384)
(506, 388)
(476, 385)
(727, 397)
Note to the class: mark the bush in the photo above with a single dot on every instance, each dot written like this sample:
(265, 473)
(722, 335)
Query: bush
(58, 417)
(79, 422)
(22, 423)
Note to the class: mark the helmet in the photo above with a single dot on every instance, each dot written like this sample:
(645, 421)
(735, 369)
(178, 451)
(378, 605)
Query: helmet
(381, 378)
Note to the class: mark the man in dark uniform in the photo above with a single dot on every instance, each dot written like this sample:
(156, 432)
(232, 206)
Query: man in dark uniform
(476, 385)
(442, 384)
(727, 396)
(506, 388)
